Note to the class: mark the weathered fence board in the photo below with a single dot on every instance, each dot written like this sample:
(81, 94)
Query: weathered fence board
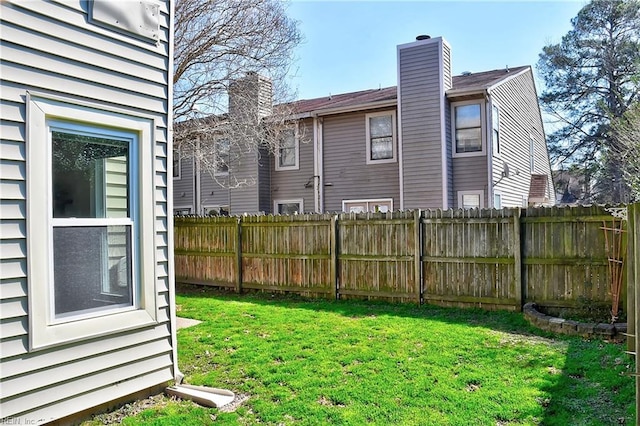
(564, 257)
(376, 257)
(497, 259)
(205, 250)
(287, 253)
(469, 257)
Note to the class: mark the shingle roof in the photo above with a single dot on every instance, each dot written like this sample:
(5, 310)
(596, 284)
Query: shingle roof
(480, 80)
(346, 99)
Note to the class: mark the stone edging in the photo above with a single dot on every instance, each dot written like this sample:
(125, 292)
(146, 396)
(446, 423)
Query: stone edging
(572, 328)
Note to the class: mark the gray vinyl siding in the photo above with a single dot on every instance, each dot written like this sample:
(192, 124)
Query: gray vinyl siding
(347, 176)
(243, 195)
(470, 174)
(421, 102)
(519, 118)
(50, 48)
(183, 187)
(213, 192)
(290, 184)
(264, 181)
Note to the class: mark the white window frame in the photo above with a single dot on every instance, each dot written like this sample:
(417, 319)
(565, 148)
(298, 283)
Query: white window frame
(483, 137)
(394, 137)
(296, 139)
(497, 200)
(208, 207)
(532, 156)
(217, 153)
(177, 156)
(298, 201)
(368, 202)
(44, 330)
(495, 115)
(461, 195)
(177, 208)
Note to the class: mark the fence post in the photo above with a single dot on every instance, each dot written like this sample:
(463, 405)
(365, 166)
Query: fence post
(417, 216)
(333, 242)
(633, 294)
(631, 278)
(517, 259)
(239, 255)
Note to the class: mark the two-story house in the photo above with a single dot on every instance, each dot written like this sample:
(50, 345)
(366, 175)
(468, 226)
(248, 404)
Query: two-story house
(433, 141)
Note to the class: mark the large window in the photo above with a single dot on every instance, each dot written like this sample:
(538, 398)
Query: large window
(222, 157)
(177, 164)
(467, 120)
(287, 154)
(92, 223)
(495, 129)
(532, 154)
(91, 242)
(381, 137)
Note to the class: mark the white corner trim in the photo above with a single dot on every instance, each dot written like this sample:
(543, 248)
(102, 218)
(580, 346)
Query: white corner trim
(443, 131)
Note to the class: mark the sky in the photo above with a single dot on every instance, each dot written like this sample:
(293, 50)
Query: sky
(351, 45)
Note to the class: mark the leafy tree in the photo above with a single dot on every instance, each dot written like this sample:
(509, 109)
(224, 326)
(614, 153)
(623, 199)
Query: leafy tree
(242, 48)
(591, 78)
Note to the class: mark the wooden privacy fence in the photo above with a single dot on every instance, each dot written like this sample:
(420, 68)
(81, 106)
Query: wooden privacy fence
(498, 259)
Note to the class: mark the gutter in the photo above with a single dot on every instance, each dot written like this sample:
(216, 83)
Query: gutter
(350, 108)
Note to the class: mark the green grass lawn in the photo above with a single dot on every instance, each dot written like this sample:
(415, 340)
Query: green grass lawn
(350, 363)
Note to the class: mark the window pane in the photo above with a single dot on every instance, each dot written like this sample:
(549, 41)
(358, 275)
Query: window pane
(222, 152)
(468, 140)
(468, 116)
(289, 208)
(287, 149)
(92, 269)
(176, 164)
(381, 148)
(90, 176)
(380, 126)
(287, 157)
(288, 139)
(471, 201)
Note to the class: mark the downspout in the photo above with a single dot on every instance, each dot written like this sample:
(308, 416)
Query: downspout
(177, 375)
(399, 130)
(197, 208)
(316, 175)
(320, 172)
(489, 134)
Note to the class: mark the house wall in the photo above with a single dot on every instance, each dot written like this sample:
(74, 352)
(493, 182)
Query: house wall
(519, 119)
(243, 174)
(347, 176)
(183, 187)
(446, 66)
(421, 83)
(264, 181)
(290, 184)
(51, 48)
(213, 192)
(470, 174)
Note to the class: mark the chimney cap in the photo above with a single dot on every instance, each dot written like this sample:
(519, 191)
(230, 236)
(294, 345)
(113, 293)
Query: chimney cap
(423, 37)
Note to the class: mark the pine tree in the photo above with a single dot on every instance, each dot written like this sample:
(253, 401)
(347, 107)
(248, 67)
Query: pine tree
(592, 78)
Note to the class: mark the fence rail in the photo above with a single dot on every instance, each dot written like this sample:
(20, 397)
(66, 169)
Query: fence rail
(497, 259)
